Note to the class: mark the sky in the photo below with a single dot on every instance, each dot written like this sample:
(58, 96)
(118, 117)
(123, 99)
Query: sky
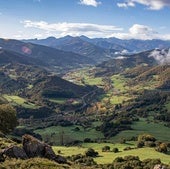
(124, 19)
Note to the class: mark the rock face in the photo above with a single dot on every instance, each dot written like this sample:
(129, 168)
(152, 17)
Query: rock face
(35, 148)
(32, 147)
(15, 152)
(158, 166)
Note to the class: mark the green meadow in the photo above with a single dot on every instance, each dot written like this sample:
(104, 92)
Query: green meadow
(108, 157)
(158, 130)
(16, 100)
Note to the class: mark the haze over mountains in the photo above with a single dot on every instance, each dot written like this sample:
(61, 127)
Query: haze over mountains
(75, 52)
(43, 55)
(132, 45)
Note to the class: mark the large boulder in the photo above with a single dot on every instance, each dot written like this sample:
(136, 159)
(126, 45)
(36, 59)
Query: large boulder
(32, 146)
(35, 148)
(49, 153)
(159, 166)
(14, 152)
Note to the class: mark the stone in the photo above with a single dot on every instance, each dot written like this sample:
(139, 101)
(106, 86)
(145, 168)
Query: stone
(159, 166)
(15, 152)
(35, 148)
(49, 153)
(32, 146)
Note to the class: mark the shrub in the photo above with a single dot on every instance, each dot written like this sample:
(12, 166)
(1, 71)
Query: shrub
(150, 144)
(162, 148)
(88, 140)
(140, 144)
(105, 149)
(91, 153)
(8, 118)
(128, 148)
(146, 137)
(81, 159)
(115, 150)
(122, 141)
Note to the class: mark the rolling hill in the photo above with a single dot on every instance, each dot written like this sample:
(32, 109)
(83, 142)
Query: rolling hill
(132, 45)
(54, 59)
(111, 44)
(146, 58)
(7, 57)
(79, 46)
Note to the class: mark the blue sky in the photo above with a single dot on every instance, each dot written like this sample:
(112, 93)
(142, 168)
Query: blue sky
(125, 19)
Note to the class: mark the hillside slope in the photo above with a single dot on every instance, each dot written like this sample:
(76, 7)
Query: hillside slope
(55, 59)
(79, 46)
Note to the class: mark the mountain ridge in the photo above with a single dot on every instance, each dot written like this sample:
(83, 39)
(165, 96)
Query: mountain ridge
(55, 58)
(132, 45)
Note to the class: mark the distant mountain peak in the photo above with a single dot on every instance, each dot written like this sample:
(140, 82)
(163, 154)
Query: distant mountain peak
(51, 38)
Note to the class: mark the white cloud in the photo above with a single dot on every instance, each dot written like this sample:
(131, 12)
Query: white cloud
(73, 29)
(126, 4)
(151, 4)
(90, 2)
(42, 29)
(162, 56)
(142, 32)
(137, 29)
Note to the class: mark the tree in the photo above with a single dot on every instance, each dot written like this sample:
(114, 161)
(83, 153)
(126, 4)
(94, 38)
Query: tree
(91, 153)
(115, 150)
(8, 120)
(162, 148)
(106, 149)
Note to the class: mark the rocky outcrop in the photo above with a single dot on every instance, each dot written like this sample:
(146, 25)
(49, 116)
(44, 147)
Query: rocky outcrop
(49, 153)
(31, 148)
(159, 166)
(15, 152)
(35, 148)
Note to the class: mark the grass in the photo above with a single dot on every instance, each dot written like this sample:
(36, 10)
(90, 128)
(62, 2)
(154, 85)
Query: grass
(118, 99)
(32, 163)
(84, 77)
(16, 100)
(108, 157)
(159, 131)
(93, 81)
(119, 83)
(59, 100)
(30, 86)
(55, 133)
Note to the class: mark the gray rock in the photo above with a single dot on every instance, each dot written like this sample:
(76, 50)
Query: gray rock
(35, 148)
(159, 166)
(14, 152)
(49, 153)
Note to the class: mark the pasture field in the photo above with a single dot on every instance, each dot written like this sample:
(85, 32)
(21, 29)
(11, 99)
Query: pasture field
(58, 100)
(158, 130)
(58, 134)
(108, 157)
(16, 100)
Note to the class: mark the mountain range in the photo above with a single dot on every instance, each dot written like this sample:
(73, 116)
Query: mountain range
(70, 43)
(44, 56)
(79, 46)
(147, 58)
